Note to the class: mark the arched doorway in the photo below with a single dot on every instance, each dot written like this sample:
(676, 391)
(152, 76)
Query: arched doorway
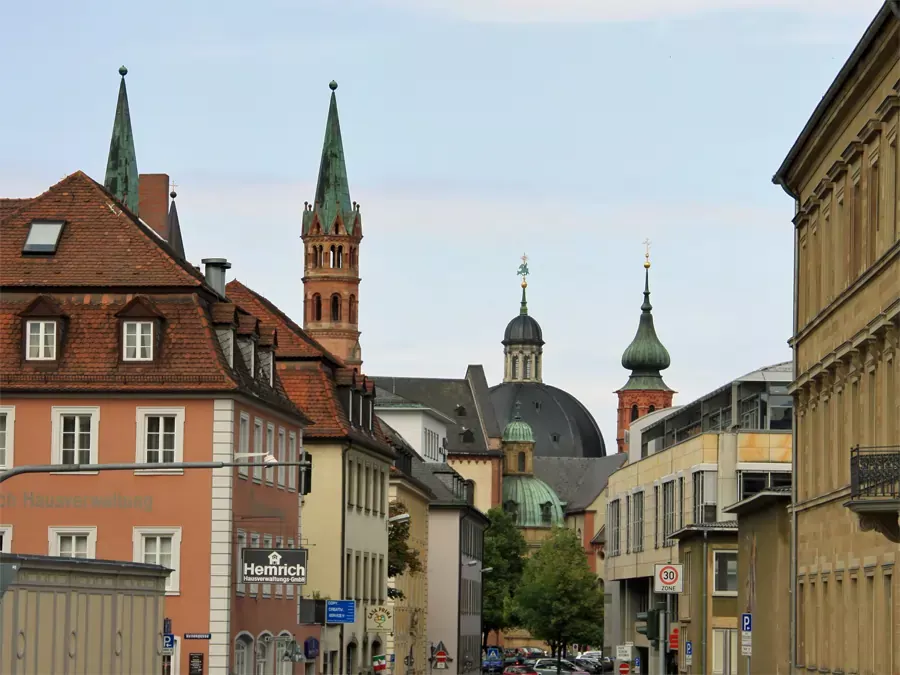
(376, 651)
(352, 658)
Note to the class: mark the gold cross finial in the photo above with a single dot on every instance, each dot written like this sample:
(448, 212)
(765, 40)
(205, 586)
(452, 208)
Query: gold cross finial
(646, 253)
(172, 187)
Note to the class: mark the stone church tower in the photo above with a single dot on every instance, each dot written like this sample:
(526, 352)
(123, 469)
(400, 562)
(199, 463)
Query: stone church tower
(645, 357)
(332, 231)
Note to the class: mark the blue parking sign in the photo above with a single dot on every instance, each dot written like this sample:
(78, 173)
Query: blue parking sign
(746, 623)
(689, 648)
(168, 641)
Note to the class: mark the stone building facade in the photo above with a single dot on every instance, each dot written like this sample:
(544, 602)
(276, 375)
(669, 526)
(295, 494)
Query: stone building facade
(843, 174)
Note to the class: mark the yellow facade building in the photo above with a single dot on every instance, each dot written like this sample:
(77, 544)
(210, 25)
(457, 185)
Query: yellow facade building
(686, 465)
(408, 643)
(843, 173)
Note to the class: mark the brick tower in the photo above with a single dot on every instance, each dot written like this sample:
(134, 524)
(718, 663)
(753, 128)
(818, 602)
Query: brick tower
(645, 357)
(332, 231)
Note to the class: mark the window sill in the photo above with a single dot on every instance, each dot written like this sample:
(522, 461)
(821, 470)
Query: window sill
(170, 594)
(158, 472)
(73, 473)
(725, 594)
(281, 487)
(243, 476)
(258, 481)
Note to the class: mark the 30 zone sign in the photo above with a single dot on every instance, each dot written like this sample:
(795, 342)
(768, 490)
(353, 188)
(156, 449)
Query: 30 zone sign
(667, 578)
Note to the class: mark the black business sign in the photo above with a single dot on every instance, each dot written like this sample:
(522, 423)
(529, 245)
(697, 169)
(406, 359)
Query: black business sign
(273, 565)
(195, 664)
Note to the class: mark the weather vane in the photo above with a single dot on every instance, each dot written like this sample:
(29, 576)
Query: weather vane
(646, 253)
(523, 270)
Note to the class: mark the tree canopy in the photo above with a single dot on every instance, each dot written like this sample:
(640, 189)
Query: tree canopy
(560, 599)
(504, 553)
(402, 558)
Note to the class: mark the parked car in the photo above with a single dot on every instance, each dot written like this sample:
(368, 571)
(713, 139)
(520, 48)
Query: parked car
(549, 667)
(520, 670)
(593, 666)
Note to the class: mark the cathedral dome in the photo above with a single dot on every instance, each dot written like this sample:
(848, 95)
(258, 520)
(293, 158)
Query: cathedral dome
(523, 330)
(560, 424)
(532, 502)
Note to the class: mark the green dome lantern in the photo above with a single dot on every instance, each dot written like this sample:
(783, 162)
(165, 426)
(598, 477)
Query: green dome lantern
(518, 430)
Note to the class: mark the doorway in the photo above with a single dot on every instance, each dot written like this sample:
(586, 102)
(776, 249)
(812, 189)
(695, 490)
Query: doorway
(724, 651)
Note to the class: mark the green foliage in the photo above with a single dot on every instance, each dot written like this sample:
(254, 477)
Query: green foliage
(504, 553)
(401, 557)
(560, 599)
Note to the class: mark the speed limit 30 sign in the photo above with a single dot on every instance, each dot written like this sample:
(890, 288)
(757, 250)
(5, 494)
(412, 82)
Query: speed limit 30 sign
(667, 578)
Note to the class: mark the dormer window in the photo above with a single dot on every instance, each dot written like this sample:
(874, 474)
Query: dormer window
(43, 237)
(138, 340)
(546, 516)
(41, 340)
(460, 411)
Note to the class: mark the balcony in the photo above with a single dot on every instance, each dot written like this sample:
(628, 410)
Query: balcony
(875, 489)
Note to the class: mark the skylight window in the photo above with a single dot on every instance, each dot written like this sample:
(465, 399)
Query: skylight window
(43, 237)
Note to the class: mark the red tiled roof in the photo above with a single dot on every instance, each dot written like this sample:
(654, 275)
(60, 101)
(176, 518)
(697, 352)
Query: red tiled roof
(223, 312)
(8, 206)
(293, 342)
(310, 386)
(102, 243)
(189, 357)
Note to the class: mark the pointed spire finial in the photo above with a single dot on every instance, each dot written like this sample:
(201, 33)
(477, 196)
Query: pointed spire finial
(523, 272)
(332, 85)
(646, 254)
(121, 165)
(173, 194)
(518, 414)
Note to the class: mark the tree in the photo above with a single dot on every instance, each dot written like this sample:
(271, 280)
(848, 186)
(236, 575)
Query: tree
(560, 599)
(504, 553)
(401, 557)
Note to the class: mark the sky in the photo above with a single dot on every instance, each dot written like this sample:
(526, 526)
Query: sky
(474, 131)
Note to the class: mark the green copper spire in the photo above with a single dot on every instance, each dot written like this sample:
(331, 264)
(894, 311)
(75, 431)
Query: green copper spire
(646, 356)
(121, 167)
(332, 188)
(518, 431)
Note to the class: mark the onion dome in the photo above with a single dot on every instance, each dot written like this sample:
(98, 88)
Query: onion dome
(646, 356)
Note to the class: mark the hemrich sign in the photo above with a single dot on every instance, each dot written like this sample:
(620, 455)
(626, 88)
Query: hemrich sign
(273, 565)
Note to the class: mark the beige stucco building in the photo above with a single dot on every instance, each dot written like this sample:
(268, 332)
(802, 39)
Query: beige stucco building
(843, 173)
(686, 464)
(109, 613)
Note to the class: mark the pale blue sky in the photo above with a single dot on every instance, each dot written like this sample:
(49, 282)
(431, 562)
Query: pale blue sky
(474, 131)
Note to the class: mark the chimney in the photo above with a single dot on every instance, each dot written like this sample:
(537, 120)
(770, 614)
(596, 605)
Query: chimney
(215, 273)
(153, 202)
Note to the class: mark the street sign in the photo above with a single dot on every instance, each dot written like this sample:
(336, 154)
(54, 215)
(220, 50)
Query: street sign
(168, 644)
(746, 623)
(440, 659)
(673, 640)
(493, 659)
(340, 611)
(637, 662)
(624, 669)
(688, 653)
(273, 565)
(623, 652)
(667, 578)
(198, 636)
(746, 634)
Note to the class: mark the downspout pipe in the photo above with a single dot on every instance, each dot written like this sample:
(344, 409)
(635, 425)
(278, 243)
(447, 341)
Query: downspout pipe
(705, 597)
(344, 451)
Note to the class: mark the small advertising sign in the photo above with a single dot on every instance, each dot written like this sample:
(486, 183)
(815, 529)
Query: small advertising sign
(380, 619)
(273, 566)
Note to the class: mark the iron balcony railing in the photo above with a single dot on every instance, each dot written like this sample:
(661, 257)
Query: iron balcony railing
(875, 472)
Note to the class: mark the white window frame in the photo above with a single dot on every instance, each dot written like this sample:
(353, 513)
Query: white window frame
(42, 323)
(173, 581)
(292, 457)
(254, 543)
(282, 667)
(267, 588)
(282, 439)
(7, 532)
(56, 415)
(701, 501)
(716, 554)
(246, 639)
(669, 511)
(138, 343)
(241, 540)
(270, 449)
(259, 439)
(244, 444)
(289, 590)
(637, 526)
(8, 459)
(279, 588)
(141, 415)
(54, 533)
(263, 666)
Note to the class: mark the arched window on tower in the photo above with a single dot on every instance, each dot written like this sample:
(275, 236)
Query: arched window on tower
(311, 257)
(340, 257)
(317, 308)
(351, 309)
(651, 409)
(333, 256)
(527, 367)
(537, 366)
(320, 260)
(335, 307)
(515, 367)
(634, 412)
(521, 462)
(353, 257)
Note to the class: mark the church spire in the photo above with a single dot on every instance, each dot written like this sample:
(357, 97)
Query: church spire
(121, 166)
(332, 187)
(174, 228)
(646, 356)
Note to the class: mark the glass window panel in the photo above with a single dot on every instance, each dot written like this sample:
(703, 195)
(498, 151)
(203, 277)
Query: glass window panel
(42, 237)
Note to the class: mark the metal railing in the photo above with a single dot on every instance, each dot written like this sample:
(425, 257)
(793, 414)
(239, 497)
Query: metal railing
(875, 472)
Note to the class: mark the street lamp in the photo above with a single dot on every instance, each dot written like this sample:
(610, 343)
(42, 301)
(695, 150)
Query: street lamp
(399, 518)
